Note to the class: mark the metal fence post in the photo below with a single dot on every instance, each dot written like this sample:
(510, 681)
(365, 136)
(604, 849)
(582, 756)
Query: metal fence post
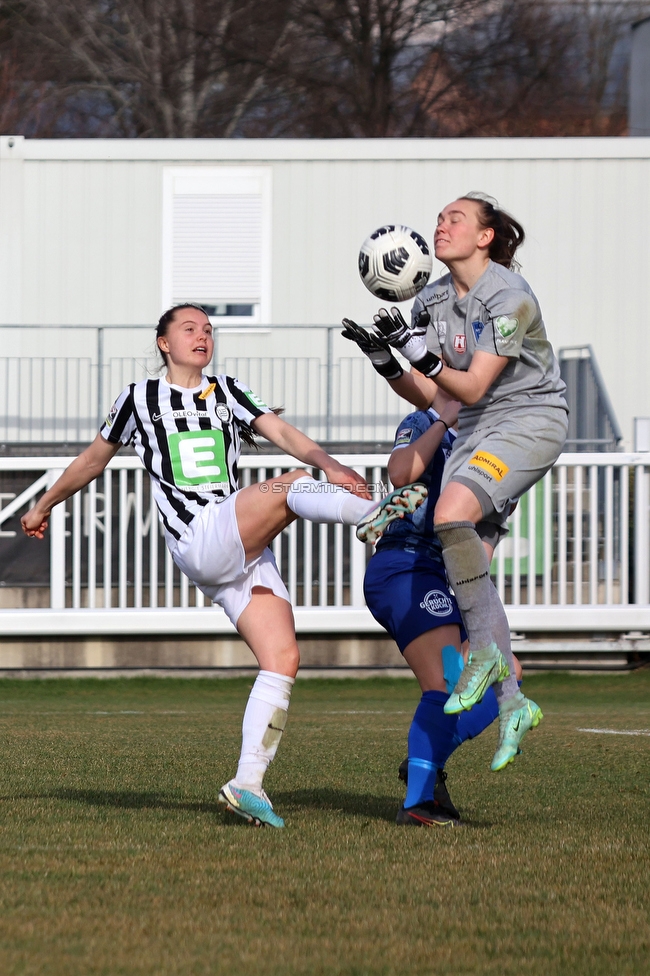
(57, 548)
(641, 529)
(357, 568)
(100, 375)
(329, 392)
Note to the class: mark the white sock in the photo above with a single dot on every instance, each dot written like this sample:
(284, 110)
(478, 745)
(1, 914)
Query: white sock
(319, 501)
(264, 721)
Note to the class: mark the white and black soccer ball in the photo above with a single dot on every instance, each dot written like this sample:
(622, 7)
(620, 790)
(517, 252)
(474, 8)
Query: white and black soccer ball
(395, 263)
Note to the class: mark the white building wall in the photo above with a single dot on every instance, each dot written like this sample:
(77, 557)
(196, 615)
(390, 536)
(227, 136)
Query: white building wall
(81, 233)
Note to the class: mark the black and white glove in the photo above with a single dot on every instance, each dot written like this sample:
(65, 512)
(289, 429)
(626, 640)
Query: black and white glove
(376, 349)
(409, 339)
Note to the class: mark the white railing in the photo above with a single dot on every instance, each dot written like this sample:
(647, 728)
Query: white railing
(577, 557)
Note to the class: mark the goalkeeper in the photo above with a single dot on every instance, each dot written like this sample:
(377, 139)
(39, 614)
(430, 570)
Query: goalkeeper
(477, 336)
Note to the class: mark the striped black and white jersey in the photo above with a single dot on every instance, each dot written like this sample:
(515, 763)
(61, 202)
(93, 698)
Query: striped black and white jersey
(188, 440)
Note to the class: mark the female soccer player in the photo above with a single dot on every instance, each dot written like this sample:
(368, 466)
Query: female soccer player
(187, 430)
(407, 592)
(477, 336)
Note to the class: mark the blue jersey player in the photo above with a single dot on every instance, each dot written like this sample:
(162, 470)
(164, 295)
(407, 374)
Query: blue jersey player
(407, 592)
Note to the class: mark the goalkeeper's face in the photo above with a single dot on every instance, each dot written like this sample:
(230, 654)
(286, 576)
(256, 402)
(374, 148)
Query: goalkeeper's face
(188, 340)
(459, 234)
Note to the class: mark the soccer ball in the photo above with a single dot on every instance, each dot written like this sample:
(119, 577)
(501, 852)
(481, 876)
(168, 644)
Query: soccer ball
(395, 263)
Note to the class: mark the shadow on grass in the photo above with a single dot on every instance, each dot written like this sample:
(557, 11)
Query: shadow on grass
(358, 804)
(131, 800)
(343, 801)
(363, 805)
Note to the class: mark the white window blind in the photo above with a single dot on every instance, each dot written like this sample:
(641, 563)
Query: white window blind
(216, 230)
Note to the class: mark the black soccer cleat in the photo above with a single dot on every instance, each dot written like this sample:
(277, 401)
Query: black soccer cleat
(441, 796)
(426, 814)
(440, 791)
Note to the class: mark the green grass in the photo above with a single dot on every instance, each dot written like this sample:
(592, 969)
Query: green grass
(115, 859)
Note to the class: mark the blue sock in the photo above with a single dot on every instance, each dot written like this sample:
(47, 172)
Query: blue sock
(472, 723)
(432, 739)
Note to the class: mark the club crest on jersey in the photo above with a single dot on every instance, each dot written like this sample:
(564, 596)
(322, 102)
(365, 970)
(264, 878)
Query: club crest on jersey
(489, 465)
(223, 413)
(477, 328)
(437, 603)
(460, 343)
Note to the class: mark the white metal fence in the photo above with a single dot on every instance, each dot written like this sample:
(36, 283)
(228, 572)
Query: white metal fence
(577, 557)
(321, 380)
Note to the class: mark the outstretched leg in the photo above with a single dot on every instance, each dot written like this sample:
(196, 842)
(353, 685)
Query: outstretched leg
(491, 661)
(267, 627)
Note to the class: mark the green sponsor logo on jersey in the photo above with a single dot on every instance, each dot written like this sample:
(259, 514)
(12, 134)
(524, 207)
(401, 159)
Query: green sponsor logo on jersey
(505, 326)
(198, 458)
(255, 400)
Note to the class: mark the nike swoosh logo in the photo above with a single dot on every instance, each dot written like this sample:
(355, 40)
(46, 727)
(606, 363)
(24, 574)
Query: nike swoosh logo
(481, 689)
(158, 416)
(516, 727)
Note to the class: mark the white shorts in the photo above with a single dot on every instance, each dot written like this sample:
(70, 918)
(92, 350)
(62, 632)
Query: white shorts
(212, 555)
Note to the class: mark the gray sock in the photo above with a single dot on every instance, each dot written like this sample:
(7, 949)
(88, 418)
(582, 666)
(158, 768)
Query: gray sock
(485, 619)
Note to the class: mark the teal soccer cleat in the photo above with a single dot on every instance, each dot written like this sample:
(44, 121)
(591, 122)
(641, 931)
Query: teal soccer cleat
(513, 725)
(397, 504)
(257, 810)
(483, 668)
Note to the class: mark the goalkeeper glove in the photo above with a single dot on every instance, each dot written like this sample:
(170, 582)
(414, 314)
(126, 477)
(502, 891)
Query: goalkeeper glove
(375, 348)
(410, 340)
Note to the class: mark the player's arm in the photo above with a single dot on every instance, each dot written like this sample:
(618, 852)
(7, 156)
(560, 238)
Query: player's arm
(84, 469)
(415, 388)
(292, 441)
(407, 464)
(471, 386)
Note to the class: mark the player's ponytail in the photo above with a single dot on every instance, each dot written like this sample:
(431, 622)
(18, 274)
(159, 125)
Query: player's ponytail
(508, 232)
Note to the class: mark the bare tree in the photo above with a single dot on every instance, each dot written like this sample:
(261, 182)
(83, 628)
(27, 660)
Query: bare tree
(351, 73)
(315, 68)
(534, 67)
(166, 68)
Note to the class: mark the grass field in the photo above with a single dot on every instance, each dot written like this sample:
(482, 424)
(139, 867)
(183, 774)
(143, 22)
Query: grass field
(115, 859)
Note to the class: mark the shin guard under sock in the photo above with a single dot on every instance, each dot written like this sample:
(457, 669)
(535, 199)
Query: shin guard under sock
(485, 619)
(431, 741)
(262, 727)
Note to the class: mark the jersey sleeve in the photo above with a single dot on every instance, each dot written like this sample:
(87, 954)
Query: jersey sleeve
(411, 428)
(246, 405)
(512, 312)
(119, 426)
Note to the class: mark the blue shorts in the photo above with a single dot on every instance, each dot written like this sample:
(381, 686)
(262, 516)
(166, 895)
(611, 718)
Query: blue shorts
(407, 594)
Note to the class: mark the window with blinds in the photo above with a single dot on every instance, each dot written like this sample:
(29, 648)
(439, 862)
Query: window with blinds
(216, 241)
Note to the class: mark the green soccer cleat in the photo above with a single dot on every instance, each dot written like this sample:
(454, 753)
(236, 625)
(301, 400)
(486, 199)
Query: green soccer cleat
(483, 668)
(401, 502)
(513, 725)
(257, 810)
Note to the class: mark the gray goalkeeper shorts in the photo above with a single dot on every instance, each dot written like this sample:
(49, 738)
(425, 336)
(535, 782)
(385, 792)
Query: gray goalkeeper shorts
(500, 463)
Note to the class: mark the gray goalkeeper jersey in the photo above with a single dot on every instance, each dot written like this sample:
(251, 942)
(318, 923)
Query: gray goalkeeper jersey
(499, 315)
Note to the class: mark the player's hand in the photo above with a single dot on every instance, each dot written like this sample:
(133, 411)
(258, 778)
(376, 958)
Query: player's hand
(340, 474)
(35, 523)
(392, 328)
(375, 348)
(410, 340)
